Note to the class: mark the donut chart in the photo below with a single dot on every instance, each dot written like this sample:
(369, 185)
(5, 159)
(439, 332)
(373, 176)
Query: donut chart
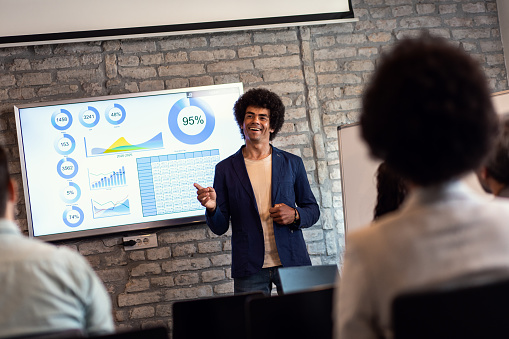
(89, 116)
(65, 145)
(203, 115)
(115, 114)
(67, 168)
(70, 193)
(61, 119)
(73, 216)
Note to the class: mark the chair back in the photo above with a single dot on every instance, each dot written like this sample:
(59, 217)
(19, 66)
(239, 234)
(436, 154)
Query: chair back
(211, 318)
(158, 332)
(301, 278)
(298, 315)
(63, 334)
(466, 313)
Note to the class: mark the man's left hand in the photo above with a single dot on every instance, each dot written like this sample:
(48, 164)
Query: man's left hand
(282, 214)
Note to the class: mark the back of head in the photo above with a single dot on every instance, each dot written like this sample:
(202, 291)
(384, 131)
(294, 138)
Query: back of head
(428, 112)
(497, 164)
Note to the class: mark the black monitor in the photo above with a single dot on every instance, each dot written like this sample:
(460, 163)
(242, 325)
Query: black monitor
(299, 315)
(301, 278)
(211, 318)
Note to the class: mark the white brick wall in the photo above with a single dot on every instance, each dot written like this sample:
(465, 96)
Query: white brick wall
(319, 71)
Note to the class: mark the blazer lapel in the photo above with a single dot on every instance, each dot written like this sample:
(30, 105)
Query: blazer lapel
(277, 174)
(239, 167)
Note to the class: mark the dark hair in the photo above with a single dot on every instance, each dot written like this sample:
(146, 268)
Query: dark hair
(497, 164)
(261, 98)
(427, 111)
(391, 190)
(4, 182)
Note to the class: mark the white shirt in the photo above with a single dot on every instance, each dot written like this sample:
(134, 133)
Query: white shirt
(45, 288)
(443, 235)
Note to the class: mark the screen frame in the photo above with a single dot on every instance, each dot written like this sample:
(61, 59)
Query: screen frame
(141, 226)
(201, 25)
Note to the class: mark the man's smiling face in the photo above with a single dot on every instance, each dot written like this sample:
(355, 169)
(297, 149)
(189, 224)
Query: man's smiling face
(256, 126)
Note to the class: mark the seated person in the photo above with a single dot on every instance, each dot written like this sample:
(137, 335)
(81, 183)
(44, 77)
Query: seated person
(44, 288)
(391, 191)
(494, 173)
(427, 113)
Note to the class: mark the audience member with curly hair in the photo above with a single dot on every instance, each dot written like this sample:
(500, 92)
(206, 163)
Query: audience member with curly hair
(427, 113)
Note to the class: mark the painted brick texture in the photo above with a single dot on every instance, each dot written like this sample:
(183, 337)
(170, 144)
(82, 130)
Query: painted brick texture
(319, 71)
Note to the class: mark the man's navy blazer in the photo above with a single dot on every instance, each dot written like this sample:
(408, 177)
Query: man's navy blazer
(236, 201)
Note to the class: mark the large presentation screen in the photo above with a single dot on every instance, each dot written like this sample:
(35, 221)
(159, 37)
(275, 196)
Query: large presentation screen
(34, 22)
(110, 164)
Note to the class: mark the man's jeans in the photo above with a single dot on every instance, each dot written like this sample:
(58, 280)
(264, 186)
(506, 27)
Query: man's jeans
(261, 281)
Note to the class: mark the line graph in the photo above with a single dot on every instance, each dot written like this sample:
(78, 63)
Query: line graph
(111, 208)
(122, 145)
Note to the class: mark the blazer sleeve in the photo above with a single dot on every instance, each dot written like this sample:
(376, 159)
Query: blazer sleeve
(219, 220)
(307, 207)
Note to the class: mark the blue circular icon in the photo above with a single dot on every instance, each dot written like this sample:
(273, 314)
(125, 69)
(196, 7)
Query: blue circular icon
(115, 114)
(89, 116)
(70, 193)
(195, 119)
(73, 216)
(61, 119)
(67, 168)
(65, 145)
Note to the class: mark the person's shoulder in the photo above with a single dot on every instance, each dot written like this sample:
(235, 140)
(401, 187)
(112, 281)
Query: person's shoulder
(497, 205)
(35, 248)
(60, 252)
(363, 233)
(387, 227)
(290, 156)
(70, 260)
(39, 251)
(362, 244)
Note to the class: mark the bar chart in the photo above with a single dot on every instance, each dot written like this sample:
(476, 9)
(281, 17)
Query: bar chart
(107, 180)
